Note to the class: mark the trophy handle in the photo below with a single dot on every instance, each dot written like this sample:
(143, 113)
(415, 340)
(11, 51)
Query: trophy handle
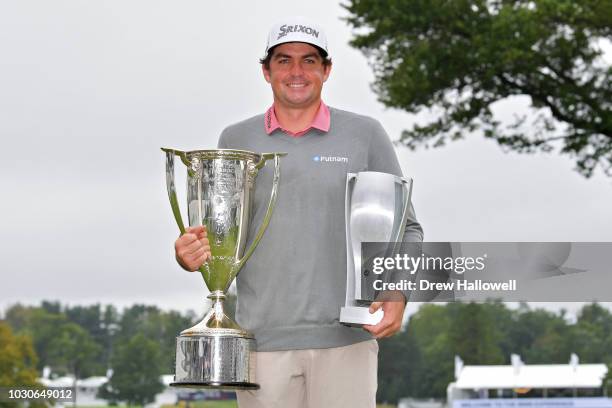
(170, 153)
(262, 228)
(176, 210)
(407, 182)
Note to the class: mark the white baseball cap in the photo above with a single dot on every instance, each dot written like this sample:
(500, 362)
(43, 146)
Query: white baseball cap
(297, 29)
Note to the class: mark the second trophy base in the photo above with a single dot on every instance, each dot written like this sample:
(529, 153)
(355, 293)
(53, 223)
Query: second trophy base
(359, 315)
(222, 361)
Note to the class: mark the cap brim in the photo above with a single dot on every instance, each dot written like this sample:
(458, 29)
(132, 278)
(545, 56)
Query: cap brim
(324, 53)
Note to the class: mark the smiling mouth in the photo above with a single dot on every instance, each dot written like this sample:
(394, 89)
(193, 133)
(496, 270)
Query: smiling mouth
(301, 85)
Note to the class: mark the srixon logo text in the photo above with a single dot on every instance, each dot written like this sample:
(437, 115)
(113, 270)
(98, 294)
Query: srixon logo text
(285, 29)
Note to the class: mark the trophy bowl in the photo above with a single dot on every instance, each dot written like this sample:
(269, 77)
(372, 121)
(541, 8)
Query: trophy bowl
(217, 352)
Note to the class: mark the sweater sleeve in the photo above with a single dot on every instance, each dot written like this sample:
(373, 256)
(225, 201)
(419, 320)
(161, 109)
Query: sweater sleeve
(382, 157)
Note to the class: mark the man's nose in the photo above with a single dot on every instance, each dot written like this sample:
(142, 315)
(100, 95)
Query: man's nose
(296, 68)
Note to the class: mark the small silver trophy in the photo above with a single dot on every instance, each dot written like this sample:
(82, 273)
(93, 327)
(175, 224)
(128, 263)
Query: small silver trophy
(216, 353)
(376, 208)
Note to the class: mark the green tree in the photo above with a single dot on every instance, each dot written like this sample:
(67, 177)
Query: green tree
(136, 372)
(51, 306)
(64, 346)
(551, 340)
(88, 318)
(526, 328)
(399, 358)
(591, 336)
(18, 316)
(159, 326)
(504, 321)
(461, 57)
(43, 327)
(17, 361)
(110, 325)
(56, 330)
(472, 334)
(433, 368)
(100, 323)
(74, 351)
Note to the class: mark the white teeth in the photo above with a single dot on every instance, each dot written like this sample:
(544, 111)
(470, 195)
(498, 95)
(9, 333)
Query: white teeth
(296, 85)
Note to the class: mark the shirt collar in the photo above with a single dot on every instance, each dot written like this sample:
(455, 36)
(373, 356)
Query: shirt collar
(321, 121)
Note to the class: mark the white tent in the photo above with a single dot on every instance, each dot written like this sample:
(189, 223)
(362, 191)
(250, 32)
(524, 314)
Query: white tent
(475, 381)
(532, 376)
(520, 375)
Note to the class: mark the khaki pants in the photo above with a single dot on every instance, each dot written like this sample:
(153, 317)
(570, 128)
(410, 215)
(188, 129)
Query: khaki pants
(315, 378)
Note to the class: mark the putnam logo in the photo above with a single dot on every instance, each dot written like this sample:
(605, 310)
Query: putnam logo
(330, 159)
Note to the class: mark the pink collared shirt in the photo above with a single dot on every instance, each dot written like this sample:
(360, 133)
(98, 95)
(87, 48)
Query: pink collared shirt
(321, 121)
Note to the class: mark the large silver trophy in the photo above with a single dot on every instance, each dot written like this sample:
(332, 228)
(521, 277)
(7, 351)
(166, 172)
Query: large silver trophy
(376, 210)
(216, 353)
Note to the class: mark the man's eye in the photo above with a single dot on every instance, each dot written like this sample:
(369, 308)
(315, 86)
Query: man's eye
(283, 61)
(309, 61)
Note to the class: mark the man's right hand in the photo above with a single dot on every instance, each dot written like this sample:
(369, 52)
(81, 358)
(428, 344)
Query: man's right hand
(192, 248)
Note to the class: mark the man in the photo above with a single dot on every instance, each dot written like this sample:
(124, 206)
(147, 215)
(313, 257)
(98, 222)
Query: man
(291, 290)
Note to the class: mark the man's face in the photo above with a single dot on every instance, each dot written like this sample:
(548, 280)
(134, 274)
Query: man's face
(296, 74)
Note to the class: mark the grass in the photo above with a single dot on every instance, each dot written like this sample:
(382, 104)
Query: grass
(233, 404)
(206, 404)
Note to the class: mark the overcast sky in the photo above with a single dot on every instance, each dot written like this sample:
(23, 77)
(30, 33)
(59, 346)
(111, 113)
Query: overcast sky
(89, 92)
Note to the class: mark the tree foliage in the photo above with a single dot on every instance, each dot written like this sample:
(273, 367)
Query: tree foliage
(42, 326)
(461, 57)
(419, 361)
(58, 342)
(17, 359)
(136, 372)
(473, 334)
(17, 363)
(81, 340)
(157, 325)
(74, 351)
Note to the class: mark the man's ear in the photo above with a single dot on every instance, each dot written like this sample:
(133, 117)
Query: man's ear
(327, 71)
(266, 73)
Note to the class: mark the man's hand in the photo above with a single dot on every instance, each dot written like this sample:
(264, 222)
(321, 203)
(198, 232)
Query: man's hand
(192, 248)
(391, 322)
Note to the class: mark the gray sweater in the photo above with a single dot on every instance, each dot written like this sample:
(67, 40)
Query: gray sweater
(291, 289)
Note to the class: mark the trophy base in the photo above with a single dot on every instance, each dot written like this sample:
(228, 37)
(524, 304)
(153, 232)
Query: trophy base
(218, 386)
(220, 359)
(357, 315)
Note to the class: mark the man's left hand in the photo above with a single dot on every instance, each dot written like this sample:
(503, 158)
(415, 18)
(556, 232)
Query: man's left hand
(391, 322)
